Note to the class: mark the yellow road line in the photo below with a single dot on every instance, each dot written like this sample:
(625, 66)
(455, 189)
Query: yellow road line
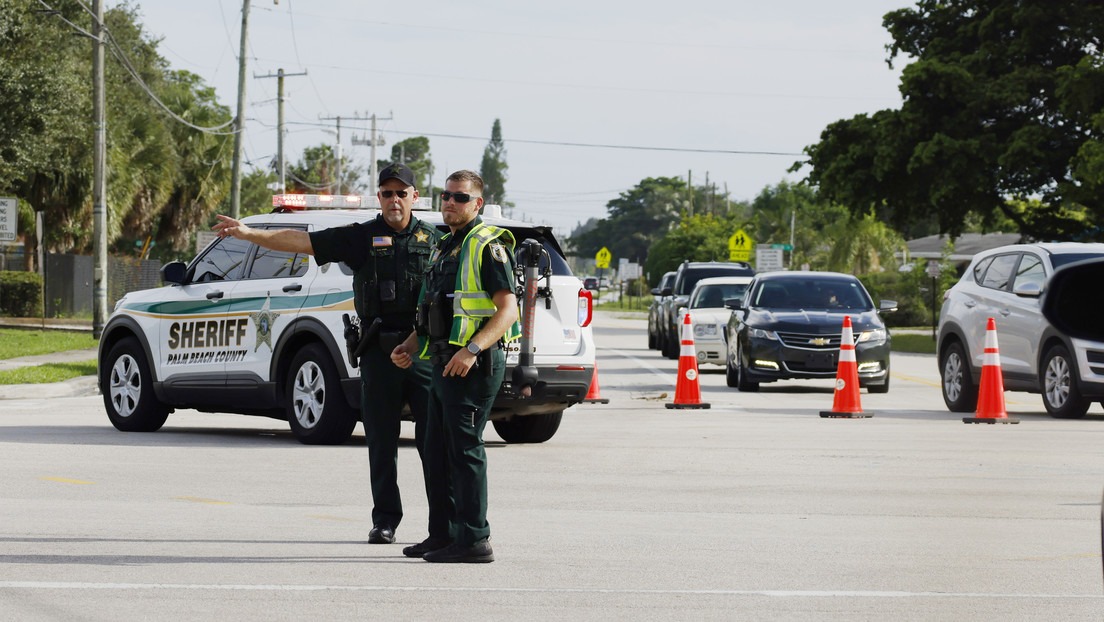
(66, 480)
(202, 500)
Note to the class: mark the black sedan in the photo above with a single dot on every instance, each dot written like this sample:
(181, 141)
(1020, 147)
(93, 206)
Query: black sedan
(789, 325)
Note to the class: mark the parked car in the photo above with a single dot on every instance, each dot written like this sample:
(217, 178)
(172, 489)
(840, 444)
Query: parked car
(709, 316)
(655, 320)
(591, 283)
(1037, 355)
(789, 325)
(241, 329)
(686, 277)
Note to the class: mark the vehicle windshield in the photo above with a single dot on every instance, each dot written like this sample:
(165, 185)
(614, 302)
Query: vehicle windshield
(713, 296)
(1062, 259)
(812, 294)
(696, 274)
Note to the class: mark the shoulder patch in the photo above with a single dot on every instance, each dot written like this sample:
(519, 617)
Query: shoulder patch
(498, 251)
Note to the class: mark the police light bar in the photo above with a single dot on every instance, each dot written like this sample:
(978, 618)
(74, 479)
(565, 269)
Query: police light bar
(337, 201)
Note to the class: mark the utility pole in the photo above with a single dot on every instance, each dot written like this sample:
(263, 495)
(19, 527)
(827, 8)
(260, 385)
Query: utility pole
(281, 164)
(690, 191)
(99, 177)
(239, 121)
(373, 141)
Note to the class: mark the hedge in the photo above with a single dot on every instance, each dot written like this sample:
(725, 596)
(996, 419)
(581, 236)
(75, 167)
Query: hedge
(20, 294)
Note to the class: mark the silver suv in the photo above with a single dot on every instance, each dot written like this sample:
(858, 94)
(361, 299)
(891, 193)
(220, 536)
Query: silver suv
(1007, 284)
(242, 329)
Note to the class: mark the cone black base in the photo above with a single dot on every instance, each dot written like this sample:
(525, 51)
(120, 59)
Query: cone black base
(831, 414)
(596, 400)
(989, 420)
(702, 405)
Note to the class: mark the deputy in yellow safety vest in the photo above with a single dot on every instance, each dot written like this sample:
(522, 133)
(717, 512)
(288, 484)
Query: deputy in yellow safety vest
(468, 311)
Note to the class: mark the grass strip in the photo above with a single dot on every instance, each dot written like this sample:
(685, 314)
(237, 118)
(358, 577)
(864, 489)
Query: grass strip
(21, 342)
(48, 372)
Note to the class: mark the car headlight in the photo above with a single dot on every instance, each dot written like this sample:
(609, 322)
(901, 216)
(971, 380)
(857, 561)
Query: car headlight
(759, 333)
(705, 330)
(877, 335)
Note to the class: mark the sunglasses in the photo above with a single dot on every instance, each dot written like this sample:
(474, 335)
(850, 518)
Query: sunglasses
(459, 197)
(387, 194)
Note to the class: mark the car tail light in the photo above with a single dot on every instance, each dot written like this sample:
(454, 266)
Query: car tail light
(586, 307)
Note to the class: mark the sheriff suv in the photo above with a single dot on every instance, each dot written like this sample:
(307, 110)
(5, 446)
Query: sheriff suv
(243, 329)
(1010, 284)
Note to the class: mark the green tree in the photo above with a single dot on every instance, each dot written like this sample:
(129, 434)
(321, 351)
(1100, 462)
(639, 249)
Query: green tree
(1002, 103)
(493, 168)
(413, 152)
(696, 238)
(636, 219)
(316, 172)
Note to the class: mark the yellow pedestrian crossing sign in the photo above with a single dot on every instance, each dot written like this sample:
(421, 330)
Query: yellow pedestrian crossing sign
(739, 246)
(602, 259)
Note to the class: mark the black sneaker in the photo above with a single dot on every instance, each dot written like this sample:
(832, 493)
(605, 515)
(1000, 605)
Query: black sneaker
(456, 553)
(381, 534)
(425, 546)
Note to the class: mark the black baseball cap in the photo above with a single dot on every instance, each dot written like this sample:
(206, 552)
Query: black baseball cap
(400, 172)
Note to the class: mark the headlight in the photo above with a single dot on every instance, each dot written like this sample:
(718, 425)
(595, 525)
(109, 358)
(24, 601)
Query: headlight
(705, 330)
(878, 335)
(759, 333)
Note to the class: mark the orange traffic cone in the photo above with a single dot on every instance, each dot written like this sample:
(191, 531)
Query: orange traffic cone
(845, 401)
(687, 389)
(594, 394)
(990, 406)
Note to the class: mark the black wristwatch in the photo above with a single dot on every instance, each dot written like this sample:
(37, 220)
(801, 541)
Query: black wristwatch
(474, 348)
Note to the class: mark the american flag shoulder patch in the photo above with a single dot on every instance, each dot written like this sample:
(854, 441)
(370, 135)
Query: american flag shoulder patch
(381, 240)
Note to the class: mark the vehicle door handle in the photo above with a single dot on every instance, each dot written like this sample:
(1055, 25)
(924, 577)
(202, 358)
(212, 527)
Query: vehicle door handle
(1005, 312)
(214, 295)
(970, 304)
(294, 287)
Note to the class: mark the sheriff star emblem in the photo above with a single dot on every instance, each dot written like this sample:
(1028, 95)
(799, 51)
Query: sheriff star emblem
(264, 319)
(455, 252)
(421, 236)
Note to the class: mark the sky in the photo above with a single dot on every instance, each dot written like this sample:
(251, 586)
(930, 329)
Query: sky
(593, 96)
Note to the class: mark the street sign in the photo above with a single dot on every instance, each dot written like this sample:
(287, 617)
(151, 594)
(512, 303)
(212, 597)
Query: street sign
(785, 247)
(602, 259)
(9, 218)
(739, 246)
(934, 269)
(768, 259)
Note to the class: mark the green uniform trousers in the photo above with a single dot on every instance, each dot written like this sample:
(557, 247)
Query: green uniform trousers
(384, 388)
(456, 461)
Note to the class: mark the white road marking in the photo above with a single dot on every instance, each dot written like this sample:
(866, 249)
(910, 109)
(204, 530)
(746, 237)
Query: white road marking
(61, 585)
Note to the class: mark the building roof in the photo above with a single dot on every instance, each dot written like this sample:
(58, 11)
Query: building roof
(965, 246)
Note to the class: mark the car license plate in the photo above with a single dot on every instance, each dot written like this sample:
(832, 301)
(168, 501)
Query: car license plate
(513, 350)
(820, 360)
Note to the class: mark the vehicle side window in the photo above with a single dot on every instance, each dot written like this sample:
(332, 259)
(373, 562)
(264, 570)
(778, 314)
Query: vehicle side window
(270, 264)
(979, 269)
(999, 275)
(224, 261)
(1030, 271)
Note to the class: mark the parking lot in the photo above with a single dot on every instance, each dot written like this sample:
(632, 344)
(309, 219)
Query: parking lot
(753, 509)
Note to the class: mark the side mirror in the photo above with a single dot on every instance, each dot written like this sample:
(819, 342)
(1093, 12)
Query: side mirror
(1028, 290)
(656, 291)
(173, 272)
(666, 291)
(887, 306)
(734, 303)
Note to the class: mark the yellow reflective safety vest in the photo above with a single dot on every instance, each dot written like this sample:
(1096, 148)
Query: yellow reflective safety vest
(472, 306)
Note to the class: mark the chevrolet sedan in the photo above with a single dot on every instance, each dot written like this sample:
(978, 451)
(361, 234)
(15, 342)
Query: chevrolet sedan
(789, 326)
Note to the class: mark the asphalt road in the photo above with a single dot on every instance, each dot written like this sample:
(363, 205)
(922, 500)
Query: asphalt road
(753, 509)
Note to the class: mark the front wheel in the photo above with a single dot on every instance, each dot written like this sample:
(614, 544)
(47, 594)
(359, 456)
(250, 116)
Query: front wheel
(128, 389)
(316, 407)
(1061, 395)
(528, 428)
(960, 394)
(743, 383)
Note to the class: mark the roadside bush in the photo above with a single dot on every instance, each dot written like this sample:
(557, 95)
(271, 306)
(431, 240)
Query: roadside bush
(913, 307)
(20, 294)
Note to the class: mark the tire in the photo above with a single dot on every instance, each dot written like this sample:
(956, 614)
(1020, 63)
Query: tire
(671, 347)
(742, 382)
(1061, 395)
(731, 377)
(528, 429)
(879, 388)
(316, 407)
(652, 345)
(960, 393)
(128, 389)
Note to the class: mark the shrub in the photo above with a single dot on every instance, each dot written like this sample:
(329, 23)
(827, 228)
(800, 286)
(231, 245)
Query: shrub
(20, 294)
(913, 305)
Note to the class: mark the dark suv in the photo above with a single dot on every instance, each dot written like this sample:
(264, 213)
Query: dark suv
(678, 296)
(655, 320)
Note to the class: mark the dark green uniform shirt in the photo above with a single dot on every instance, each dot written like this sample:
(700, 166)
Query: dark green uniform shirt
(388, 266)
(495, 273)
